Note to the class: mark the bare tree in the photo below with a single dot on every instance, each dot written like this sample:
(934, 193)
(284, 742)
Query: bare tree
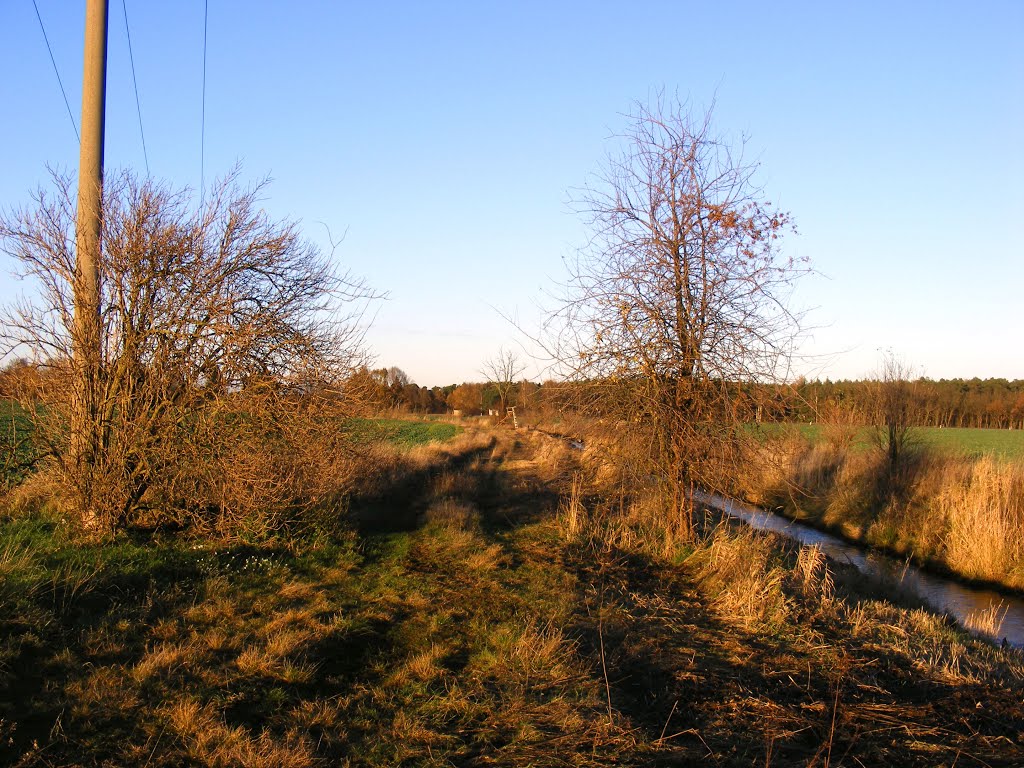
(679, 298)
(893, 405)
(397, 378)
(501, 371)
(219, 328)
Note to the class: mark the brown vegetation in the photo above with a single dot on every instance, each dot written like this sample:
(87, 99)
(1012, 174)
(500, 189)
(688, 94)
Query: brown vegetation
(964, 514)
(679, 296)
(224, 339)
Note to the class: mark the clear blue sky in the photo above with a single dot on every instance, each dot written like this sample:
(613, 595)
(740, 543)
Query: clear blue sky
(444, 137)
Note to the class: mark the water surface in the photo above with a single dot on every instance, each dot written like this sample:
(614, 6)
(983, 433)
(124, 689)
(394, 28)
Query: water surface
(941, 594)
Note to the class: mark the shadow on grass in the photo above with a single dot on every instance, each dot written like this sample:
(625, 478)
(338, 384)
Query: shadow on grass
(398, 508)
(724, 695)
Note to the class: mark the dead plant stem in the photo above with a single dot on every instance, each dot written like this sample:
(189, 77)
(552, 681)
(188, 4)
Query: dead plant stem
(604, 665)
(661, 738)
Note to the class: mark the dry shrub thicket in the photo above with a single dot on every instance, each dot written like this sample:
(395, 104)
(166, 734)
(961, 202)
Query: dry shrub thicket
(225, 342)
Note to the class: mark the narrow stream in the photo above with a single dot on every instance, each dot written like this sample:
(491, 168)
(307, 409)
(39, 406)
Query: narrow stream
(939, 593)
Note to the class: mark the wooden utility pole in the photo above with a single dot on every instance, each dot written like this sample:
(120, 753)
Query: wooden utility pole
(85, 432)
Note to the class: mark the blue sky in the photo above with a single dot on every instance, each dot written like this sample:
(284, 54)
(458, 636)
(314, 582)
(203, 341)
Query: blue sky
(443, 140)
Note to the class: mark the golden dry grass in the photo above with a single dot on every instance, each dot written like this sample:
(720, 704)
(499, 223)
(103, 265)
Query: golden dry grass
(488, 633)
(452, 513)
(210, 741)
(987, 621)
(983, 506)
(737, 568)
(965, 514)
(164, 659)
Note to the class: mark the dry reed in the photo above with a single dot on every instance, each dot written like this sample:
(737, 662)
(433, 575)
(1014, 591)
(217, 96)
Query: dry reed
(984, 511)
(963, 513)
(988, 621)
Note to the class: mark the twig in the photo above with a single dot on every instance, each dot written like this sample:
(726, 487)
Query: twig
(604, 666)
(832, 728)
(695, 732)
(159, 736)
(666, 727)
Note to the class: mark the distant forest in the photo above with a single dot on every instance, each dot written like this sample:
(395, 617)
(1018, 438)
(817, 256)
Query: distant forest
(981, 403)
(985, 403)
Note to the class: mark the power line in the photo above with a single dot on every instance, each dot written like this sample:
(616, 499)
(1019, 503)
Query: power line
(202, 129)
(135, 84)
(56, 72)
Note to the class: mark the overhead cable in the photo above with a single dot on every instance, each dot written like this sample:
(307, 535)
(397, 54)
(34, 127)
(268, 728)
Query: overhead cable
(56, 72)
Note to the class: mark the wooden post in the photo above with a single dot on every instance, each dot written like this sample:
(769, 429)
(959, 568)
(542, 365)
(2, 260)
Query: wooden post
(88, 228)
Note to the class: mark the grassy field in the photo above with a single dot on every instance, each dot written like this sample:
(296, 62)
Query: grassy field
(400, 432)
(1002, 443)
(1005, 443)
(16, 450)
(512, 619)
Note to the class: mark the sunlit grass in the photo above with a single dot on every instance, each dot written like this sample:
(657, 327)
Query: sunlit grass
(1001, 443)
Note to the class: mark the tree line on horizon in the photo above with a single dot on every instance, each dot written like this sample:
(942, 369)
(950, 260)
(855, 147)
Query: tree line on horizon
(991, 403)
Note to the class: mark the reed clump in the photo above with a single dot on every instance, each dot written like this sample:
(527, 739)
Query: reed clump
(744, 575)
(982, 503)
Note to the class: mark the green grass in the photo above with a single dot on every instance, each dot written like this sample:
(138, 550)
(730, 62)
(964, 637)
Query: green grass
(400, 431)
(1003, 443)
(1006, 443)
(16, 449)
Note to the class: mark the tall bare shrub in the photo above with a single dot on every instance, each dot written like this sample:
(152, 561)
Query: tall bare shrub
(893, 395)
(217, 324)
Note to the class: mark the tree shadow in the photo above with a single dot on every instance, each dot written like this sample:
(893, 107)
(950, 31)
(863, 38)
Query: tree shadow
(731, 696)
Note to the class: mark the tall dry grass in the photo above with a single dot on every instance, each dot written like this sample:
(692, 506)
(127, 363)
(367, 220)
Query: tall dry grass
(987, 621)
(379, 468)
(962, 513)
(641, 523)
(982, 502)
(742, 572)
(750, 579)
